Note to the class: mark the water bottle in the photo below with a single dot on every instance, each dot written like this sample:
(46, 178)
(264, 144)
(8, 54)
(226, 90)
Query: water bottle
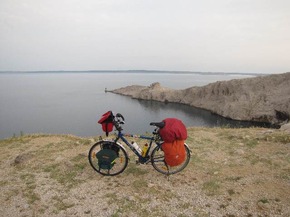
(137, 148)
(144, 150)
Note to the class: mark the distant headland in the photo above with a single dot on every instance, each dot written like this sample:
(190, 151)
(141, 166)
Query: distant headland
(260, 99)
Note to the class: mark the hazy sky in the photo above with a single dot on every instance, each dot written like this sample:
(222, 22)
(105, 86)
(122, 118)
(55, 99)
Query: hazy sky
(190, 35)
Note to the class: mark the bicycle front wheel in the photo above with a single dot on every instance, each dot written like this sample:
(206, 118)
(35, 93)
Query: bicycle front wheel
(108, 158)
(159, 164)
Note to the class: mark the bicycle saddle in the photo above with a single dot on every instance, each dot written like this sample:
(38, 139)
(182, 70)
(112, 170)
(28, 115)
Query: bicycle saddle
(158, 124)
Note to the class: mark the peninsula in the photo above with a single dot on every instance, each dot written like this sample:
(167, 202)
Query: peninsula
(260, 99)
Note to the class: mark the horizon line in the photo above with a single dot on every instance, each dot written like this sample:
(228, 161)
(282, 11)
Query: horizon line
(134, 71)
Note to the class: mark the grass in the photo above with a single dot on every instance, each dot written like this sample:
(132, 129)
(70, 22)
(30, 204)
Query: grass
(60, 204)
(11, 194)
(140, 183)
(277, 137)
(65, 174)
(231, 192)
(29, 190)
(227, 165)
(285, 174)
(3, 183)
(251, 143)
(211, 187)
(135, 170)
(126, 205)
(264, 200)
(234, 179)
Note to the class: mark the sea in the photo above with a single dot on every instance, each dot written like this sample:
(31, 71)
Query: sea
(64, 102)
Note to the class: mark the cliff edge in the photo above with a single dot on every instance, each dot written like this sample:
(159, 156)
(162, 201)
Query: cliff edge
(260, 99)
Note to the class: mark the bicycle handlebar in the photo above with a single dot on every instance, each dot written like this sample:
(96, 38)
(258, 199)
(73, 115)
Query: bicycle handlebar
(118, 115)
(158, 124)
(119, 120)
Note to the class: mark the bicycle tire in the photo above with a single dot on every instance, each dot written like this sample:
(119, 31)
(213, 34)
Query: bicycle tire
(159, 164)
(120, 163)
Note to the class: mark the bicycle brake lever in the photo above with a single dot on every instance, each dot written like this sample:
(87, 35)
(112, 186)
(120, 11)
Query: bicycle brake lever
(118, 115)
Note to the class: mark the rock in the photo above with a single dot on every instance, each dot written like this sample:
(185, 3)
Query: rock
(240, 152)
(88, 211)
(285, 127)
(260, 99)
(22, 158)
(59, 158)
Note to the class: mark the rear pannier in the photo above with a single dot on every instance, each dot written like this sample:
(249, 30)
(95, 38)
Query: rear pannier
(173, 134)
(174, 152)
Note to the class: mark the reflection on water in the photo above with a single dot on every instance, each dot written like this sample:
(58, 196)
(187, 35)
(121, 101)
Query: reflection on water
(192, 116)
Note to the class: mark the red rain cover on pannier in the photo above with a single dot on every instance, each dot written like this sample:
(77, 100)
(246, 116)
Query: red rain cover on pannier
(107, 122)
(174, 152)
(173, 130)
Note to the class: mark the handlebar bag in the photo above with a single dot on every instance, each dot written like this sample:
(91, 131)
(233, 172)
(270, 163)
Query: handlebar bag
(107, 122)
(174, 129)
(174, 152)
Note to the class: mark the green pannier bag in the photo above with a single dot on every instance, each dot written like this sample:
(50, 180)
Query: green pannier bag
(106, 158)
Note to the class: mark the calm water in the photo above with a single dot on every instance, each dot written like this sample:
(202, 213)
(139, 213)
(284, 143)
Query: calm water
(72, 103)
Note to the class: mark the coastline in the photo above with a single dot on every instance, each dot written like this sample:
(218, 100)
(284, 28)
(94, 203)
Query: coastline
(259, 99)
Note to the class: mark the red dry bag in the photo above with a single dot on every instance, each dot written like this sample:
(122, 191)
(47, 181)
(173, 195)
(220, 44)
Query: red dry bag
(107, 122)
(173, 130)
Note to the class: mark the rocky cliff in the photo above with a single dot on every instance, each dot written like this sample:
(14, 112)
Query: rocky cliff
(262, 98)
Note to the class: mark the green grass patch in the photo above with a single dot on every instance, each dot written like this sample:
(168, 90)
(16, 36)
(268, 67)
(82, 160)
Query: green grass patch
(251, 143)
(11, 193)
(64, 174)
(211, 187)
(136, 170)
(234, 178)
(3, 183)
(231, 192)
(285, 174)
(29, 180)
(277, 137)
(264, 200)
(140, 183)
(60, 204)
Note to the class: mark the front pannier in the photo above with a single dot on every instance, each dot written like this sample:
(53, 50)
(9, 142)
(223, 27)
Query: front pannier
(106, 157)
(107, 122)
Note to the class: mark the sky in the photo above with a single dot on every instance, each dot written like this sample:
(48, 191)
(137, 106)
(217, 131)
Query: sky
(251, 36)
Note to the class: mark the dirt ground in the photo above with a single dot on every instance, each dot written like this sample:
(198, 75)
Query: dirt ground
(232, 172)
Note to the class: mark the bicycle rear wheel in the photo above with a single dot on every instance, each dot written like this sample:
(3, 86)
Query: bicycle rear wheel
(108, 158)
(159, 164)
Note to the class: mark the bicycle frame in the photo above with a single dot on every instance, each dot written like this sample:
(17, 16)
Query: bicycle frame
(142, 159)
